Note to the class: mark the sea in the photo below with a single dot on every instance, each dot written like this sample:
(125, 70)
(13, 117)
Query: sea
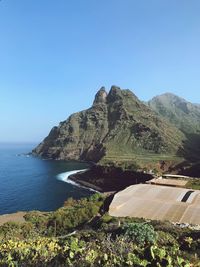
(31, 183)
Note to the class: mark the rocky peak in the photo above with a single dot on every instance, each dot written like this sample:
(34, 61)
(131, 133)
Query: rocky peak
(114, 94)
(129, 93)
(100, 96)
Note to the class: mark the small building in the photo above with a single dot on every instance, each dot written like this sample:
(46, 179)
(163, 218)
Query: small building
(175, 176)
(168, 182)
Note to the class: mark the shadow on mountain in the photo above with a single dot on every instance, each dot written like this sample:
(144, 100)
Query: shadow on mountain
(191, 166)
(192, 147)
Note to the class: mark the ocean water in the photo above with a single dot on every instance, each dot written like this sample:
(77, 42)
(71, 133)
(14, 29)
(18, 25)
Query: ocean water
(30, 183)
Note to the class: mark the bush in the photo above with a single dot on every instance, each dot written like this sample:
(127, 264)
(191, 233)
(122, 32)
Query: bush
(166, 239)
(38, 219)
(106, 218)
(72, 216)
(168, 227)
(10, 230)
(140, 233)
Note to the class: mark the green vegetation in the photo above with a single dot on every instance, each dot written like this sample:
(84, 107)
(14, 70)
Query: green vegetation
(72, 251)
(140, 233)
(185, 116)
(178, 111)
(139, 161)
(193, 184)
(82, 234)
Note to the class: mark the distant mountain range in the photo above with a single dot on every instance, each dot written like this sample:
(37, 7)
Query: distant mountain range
(119, 127)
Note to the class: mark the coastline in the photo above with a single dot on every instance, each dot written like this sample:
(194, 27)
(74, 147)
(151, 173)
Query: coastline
(99, 178)
(106, 179)
(85, 184)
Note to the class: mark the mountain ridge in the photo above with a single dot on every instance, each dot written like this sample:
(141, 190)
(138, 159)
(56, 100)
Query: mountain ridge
(180, 112)
(117, 123)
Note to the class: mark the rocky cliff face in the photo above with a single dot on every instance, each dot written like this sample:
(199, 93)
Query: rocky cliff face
(118, 123)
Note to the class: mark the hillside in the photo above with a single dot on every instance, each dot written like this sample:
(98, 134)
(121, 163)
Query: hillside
(82, 233)
(184, 115)
(118, 126)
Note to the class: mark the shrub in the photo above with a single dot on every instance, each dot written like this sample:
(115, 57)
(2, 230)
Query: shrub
(166, 239)
(70, 217)
(168, 227)
(140, 233)
(10, 230)
(38, 219)
(106, 218)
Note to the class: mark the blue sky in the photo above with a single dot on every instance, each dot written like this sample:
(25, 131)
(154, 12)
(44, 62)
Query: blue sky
(55, 55)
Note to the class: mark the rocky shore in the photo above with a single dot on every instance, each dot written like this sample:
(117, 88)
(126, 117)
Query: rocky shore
(108, 178)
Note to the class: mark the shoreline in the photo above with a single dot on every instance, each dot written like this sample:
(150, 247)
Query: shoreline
(106, 179)
(101, 179)
(85, 184)
(68, 177)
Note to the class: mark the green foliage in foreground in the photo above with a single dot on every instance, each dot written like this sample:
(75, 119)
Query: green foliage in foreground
(72, 251)
(74, 214)
(48, 239)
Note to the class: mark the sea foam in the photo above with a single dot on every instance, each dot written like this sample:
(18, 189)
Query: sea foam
(64, 176)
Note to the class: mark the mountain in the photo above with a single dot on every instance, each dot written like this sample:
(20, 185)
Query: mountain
(183, 114)
(117, 126)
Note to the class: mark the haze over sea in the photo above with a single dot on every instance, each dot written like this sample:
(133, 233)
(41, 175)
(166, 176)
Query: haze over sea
(30, 183)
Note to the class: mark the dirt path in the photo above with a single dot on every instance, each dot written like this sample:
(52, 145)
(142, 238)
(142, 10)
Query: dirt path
(14, 217)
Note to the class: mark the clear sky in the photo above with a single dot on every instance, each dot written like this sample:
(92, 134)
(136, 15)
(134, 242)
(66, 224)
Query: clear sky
(55, 55)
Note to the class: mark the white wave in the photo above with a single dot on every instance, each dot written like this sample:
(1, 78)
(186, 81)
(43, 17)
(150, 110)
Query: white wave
(65, 175)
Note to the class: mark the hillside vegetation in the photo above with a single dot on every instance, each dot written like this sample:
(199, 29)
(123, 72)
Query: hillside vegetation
(82, 234)
(185, 116)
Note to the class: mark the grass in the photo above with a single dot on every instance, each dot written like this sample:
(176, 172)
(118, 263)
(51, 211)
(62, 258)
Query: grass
(140, 159)
(146, 157)
(193, 184)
